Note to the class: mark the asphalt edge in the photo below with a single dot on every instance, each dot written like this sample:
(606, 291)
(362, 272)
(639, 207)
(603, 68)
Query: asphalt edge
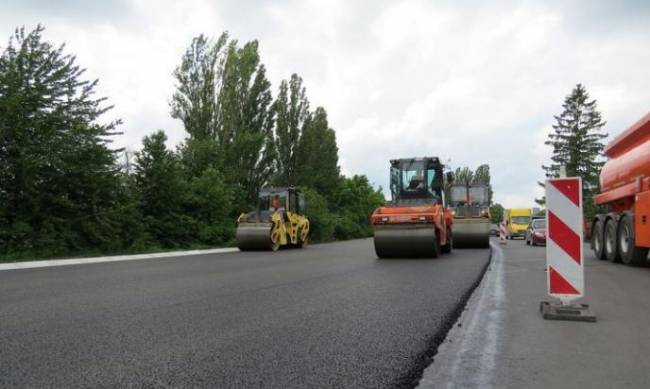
(412, 378)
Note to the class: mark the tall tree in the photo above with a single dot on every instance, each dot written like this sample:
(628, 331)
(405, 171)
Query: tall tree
(224, 100)
(317, 156)
(291, 108)
(198, 79)
(162, 191)
(482, 177)
(577, 143)
(463, 175)
(246, 120)
(58, 183)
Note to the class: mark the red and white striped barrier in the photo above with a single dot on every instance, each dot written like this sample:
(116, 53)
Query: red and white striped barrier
(564, 249)
(502, 233)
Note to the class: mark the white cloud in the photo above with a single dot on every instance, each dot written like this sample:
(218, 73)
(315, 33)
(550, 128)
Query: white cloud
(466, 81)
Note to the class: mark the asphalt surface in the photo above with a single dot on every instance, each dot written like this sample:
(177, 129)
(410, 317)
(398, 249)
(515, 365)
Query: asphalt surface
(502, 341)
(329, 315)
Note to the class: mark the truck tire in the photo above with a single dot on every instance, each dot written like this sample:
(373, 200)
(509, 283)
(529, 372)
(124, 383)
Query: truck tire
(597, 240)
(630, 254)
(610, 241)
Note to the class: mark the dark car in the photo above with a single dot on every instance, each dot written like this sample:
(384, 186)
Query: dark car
(536, 232)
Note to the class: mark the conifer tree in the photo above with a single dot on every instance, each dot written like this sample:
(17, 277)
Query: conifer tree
(577, 144)
(59, 182)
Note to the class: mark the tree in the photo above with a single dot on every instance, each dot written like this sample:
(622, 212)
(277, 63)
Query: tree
(355, 201)
(223, 98)
(291, 108)
(482, 177)
(317, 156)
(496, 213)
(463, 175)
(208, 205)
(577, 144)
(198, 81)
(246, 122)
(59, 182)
(321, 221)
(162, 190)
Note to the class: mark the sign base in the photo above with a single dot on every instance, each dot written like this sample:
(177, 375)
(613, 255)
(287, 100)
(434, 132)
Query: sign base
(573, 312)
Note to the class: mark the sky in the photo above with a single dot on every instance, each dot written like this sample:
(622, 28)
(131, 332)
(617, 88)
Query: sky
(472, 82)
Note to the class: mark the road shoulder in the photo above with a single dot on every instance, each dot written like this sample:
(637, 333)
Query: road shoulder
(502, 341)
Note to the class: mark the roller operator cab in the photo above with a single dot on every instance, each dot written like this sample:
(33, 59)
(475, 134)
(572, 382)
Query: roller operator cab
(623, 233)
(415, 223)
(278, 221)
(471, 205)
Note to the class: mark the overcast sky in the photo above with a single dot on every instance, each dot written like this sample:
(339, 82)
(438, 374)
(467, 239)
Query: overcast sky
(470, 81)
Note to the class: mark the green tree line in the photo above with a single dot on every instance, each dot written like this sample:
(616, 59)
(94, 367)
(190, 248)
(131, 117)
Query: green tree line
(65, 191)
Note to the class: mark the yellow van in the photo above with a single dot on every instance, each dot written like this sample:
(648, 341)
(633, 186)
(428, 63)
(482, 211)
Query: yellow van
(517, 220)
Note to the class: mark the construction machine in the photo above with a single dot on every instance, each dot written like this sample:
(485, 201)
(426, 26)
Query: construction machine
(415, 223)
(278, 221)
(470, 204)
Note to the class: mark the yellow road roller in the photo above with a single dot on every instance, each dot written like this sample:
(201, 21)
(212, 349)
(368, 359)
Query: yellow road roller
(278, 221)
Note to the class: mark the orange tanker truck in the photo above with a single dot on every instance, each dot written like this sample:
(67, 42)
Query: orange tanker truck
(416, 223)
(623, 234)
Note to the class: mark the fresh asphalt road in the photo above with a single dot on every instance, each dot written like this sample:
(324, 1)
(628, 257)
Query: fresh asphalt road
(329, 315)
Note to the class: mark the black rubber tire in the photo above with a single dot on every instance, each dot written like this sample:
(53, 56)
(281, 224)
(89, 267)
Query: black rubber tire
(629, 253)
(598, 240)
(446, 249)
(611, 241)
(437, 249)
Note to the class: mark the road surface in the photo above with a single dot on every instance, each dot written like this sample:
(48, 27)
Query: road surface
(502, 341)
(330, 315)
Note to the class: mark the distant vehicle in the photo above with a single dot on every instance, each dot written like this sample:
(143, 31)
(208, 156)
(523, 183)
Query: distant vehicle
(517, 220)
(623, 234)
(494, 229)
(536, 232)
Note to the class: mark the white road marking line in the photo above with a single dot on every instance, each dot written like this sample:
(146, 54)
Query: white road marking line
(114, 258)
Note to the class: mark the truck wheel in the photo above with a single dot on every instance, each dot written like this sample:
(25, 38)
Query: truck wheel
(611, 249)
(597, 244)
(630, 254)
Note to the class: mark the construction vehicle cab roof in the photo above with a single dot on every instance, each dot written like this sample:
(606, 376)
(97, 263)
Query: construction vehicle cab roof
(430, 161)
(278, 190)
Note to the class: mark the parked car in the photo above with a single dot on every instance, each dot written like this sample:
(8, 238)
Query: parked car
(536, 232)
(494, 229)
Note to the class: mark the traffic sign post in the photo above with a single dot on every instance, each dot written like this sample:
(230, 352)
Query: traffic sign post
(565, 278)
